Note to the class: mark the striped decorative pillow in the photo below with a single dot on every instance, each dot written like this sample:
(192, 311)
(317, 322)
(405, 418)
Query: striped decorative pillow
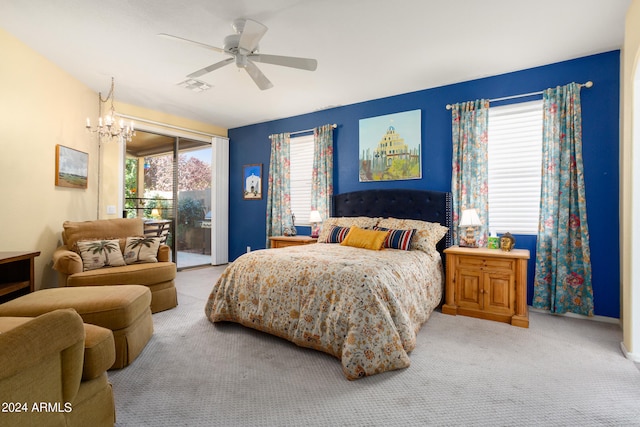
(397, 239)
(427, 234)
(337, 234)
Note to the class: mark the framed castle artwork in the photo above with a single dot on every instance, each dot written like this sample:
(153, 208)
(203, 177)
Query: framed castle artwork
(390, 147)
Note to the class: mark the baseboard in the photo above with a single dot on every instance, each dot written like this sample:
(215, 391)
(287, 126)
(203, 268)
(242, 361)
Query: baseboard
(604, 319)
(635, 357)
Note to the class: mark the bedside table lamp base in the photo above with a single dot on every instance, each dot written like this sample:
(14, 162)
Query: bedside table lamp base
(469, 241)
(315, 219)
(469, 220)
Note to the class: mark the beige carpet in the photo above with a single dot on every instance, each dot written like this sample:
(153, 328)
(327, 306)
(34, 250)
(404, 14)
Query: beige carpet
(464, 371)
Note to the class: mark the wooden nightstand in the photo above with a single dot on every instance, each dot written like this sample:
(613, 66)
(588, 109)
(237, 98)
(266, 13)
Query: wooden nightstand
(487, 283)
(283, 241)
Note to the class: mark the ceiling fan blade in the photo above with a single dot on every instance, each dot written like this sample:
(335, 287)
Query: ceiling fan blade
(182, 39)
(251, 35)
(286, 61)
(260, 79)
(210, 68)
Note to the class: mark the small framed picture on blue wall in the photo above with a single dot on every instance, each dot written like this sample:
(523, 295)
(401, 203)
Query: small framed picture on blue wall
(252, 182)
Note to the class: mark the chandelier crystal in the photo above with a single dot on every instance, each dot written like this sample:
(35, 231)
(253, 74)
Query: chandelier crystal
(108, 127)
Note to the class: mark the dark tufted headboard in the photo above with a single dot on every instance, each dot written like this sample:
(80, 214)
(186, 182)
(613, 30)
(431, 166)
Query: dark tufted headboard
(432, 206)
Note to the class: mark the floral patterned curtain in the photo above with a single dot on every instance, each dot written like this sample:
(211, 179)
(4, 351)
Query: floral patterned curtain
(279, 190)
(470, 122)
(322, 173)
(563, 260)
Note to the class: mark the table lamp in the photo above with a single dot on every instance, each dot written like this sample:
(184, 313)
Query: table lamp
(315, 219)
(470, 221)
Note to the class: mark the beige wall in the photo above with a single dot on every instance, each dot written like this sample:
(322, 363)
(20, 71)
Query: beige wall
(41, 105)
(629, 250)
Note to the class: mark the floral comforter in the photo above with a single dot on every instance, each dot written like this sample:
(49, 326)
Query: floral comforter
(362, 306)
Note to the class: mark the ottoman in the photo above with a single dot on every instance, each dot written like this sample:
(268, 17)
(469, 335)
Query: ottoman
(124, 309)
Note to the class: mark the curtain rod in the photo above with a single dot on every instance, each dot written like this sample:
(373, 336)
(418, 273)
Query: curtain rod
(504, 98)
(306, 130)
(153, 122)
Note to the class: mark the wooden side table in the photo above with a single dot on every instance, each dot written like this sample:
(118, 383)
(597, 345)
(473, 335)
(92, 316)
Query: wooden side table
(16, 272)
(487, 283)
(284, 241)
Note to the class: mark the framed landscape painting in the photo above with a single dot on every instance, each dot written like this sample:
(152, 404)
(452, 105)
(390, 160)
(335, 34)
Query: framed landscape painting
(72, 167)
(390, 147)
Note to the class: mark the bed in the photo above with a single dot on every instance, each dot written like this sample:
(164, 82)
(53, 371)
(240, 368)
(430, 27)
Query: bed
(362, 306)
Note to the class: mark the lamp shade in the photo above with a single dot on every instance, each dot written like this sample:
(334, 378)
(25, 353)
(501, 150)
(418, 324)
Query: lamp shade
(315, 217)
(470, 218)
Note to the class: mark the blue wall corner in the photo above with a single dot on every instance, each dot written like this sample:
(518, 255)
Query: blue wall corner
(600, 121)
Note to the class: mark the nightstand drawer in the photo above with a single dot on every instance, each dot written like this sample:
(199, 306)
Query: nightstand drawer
(486, 263)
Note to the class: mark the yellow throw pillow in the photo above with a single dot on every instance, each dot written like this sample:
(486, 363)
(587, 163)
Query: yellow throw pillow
(367, 239)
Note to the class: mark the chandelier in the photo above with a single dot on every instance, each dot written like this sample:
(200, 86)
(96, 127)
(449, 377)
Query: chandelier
(107, 126)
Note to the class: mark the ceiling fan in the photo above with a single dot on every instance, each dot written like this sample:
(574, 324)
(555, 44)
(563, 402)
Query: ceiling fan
(243, 48)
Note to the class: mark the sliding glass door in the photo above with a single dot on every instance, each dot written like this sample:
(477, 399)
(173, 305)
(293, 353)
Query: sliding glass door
(194, 205)
(168, 184)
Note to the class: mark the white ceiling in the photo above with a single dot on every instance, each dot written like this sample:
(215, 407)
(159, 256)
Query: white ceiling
(366, 49)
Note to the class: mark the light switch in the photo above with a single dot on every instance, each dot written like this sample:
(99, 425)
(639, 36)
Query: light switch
(111, 210)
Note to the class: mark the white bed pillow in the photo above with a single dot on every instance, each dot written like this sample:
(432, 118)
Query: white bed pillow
(427, 234)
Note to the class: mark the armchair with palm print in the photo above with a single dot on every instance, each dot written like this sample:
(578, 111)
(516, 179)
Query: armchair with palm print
(116, 252)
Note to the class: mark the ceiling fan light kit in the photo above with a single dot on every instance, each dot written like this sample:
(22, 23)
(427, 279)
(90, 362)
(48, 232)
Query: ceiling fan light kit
(243, 48)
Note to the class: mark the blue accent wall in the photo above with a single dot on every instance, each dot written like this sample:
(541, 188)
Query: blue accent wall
(600, 114)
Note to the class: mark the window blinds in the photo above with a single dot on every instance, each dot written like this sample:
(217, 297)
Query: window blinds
(515, 159)
(301, 156)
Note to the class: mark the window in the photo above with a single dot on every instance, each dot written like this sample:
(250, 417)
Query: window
(515, 159)
(301, 156)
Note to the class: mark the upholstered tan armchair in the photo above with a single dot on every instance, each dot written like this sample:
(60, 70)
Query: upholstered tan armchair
(45, 380)
(116, 252)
